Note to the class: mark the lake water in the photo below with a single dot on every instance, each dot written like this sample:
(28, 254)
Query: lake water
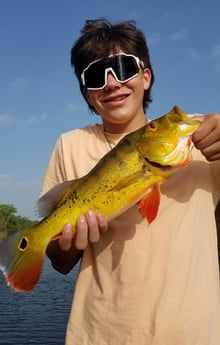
(40, 316)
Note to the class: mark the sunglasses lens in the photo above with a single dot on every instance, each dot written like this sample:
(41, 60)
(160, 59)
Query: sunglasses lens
(95, 75)
(124, 67)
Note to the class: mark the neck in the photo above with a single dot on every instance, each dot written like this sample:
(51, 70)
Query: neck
(127, 127)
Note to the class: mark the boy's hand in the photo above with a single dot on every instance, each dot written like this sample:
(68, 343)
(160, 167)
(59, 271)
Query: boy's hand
(88, 229)
(207, 137)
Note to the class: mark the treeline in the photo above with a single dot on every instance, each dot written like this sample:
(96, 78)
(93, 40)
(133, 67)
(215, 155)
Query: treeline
(10, 221)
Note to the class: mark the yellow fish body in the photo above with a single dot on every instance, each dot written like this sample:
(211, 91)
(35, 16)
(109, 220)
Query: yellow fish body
(129, 174)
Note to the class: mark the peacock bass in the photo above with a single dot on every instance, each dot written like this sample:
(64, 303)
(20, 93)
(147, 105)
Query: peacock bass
(129, 174)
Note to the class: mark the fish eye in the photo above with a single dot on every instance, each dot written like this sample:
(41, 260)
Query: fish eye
(151, 126)
(23, 244)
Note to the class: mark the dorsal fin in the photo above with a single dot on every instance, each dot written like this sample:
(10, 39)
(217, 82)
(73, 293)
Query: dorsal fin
(54, 197)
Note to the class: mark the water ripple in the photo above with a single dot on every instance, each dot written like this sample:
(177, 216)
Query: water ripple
(40, 316)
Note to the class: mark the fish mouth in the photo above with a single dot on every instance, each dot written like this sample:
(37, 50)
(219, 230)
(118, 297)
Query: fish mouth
(177, 157)
(158, 165)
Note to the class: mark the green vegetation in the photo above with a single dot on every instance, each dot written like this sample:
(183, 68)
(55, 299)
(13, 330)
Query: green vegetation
(10, 222)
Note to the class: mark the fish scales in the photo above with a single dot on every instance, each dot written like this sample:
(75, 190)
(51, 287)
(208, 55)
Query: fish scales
(129, 174)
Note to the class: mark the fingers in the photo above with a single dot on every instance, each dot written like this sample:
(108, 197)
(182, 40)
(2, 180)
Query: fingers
(88, 229)
(81, 239)
(66, 239)
(93, 226)
(207, 137)
(102, 221)
(208, 126)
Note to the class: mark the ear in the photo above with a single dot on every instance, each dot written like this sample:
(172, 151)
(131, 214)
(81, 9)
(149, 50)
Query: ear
(146, 78)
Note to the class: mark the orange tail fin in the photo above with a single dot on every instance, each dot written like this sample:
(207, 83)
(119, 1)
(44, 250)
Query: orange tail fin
(21, 262)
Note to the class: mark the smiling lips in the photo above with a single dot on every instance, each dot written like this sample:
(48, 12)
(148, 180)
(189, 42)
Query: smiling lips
(116, 98)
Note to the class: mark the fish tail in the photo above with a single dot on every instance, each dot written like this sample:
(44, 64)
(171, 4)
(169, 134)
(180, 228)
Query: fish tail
(21, 261)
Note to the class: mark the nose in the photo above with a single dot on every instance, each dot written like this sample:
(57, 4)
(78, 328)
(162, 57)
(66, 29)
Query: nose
(112, 83)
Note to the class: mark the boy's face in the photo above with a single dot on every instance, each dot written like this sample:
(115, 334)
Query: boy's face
(118, 102)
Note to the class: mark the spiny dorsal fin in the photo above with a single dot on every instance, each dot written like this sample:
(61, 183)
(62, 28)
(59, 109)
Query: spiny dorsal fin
(54, 197)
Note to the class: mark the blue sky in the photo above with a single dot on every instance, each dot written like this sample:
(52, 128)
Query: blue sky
(39, 95)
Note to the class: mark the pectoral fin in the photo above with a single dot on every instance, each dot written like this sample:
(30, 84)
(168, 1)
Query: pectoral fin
(149, 204)
(132, 178)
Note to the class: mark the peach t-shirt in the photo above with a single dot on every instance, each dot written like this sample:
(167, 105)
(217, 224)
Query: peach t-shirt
(143, 284)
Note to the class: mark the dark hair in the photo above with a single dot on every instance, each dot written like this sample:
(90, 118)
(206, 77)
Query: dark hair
(100, 37)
